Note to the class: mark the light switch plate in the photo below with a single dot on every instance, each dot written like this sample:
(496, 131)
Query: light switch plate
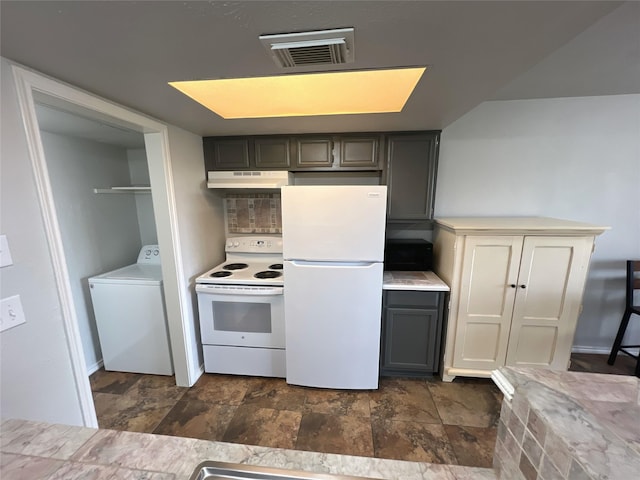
(5, 253)
(11, 313)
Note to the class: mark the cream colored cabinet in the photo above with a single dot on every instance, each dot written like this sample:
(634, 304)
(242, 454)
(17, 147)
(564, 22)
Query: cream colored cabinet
(516, 291)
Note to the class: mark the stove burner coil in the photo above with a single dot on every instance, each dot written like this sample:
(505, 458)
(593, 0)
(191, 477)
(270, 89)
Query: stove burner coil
(220, 274)
(268, 274)
(275, 266)
(235, 266)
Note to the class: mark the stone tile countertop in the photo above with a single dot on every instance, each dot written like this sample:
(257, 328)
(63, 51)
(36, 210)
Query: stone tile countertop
(62, 452)
(567, 425)
(420, 281)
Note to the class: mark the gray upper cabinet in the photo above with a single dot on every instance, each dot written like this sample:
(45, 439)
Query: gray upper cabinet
(359, 152)
(247, 153)
(412, 163)
(226, 153)
(294, 152)
(313, 152)
(338, 152)
(272, 153)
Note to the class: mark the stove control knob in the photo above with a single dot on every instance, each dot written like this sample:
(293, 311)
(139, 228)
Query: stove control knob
(236, 244)
(229, 244)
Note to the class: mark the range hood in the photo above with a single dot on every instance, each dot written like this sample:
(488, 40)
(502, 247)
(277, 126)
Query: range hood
(248, 179)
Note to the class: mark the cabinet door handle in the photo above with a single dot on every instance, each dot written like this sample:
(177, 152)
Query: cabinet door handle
(523, 286)
(513, 285)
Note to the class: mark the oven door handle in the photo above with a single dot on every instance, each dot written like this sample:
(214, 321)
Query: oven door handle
(238, 290)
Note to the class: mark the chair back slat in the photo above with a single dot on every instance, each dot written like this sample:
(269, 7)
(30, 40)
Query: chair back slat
(633, 280)
(633, 273)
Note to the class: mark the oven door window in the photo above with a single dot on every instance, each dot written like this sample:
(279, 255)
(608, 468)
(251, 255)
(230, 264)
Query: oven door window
(242, 320)
(242, 317)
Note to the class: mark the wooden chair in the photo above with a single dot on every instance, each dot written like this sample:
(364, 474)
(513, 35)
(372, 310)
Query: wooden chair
(633, 283)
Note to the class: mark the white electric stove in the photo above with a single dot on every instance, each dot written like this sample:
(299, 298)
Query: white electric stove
(241, 309)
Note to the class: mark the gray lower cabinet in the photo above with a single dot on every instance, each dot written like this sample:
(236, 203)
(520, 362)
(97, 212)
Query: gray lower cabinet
(411, 333)
(412, 163)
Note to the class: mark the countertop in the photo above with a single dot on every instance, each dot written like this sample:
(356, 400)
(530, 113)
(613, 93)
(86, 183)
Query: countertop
(522, 225)
(62, 452)
(420, 281)
(568, 424)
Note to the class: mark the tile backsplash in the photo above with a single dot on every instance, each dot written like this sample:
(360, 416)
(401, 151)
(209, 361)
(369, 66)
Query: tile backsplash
(253, 213)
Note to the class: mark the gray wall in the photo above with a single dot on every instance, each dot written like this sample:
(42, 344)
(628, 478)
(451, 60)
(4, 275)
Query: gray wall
(139, 171)
(571, 158)
(100, 232)
(36, 378)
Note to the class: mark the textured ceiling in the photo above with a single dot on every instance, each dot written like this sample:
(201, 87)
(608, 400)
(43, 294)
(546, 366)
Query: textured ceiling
(475, 51)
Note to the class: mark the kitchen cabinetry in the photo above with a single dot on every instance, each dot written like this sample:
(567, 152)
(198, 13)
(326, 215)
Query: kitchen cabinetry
(226, 153)
(329, 152)
(338, 152)
(247, 153)
(359, 151)
(411, 332)
(516, 290)
(272, 153)
(412, 163)
(313, 152)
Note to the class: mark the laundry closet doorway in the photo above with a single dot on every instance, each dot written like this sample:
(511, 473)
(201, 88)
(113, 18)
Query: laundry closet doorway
(102, 228)
(162, 143)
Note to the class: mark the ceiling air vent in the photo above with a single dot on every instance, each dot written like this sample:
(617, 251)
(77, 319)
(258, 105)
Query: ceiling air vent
(323, 47)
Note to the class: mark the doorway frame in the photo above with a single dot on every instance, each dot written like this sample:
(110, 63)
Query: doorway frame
(156, 137)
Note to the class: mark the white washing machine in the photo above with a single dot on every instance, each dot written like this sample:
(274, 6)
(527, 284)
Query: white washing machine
(130, 315)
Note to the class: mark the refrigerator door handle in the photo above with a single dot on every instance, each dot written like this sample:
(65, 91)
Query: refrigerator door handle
(308, 263)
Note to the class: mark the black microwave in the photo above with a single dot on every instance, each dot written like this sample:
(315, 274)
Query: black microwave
(408, 255)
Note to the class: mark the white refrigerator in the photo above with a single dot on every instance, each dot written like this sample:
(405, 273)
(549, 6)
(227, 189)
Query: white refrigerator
(333, 249)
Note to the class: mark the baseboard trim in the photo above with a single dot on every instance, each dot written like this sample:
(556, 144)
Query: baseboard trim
(585, 349)
(91, 369)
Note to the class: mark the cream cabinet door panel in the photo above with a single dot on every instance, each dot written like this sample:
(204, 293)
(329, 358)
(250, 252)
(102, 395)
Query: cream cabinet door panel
(547, 303)
(490, 267)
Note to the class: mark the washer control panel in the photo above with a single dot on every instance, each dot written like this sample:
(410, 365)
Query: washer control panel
(149, 254)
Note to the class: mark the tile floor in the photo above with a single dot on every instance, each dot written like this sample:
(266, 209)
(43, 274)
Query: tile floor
(405, 419)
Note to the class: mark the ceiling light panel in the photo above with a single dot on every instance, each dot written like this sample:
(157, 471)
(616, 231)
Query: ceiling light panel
(336, 93)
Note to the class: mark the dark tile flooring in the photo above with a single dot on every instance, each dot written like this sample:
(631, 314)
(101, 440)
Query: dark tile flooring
(405, 419)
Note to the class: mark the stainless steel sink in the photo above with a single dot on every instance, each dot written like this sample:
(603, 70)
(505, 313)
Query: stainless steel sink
(233, 471)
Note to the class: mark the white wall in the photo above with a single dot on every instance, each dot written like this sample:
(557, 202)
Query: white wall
(199, 216)
(571, 158)
(100, 232)
(36, 376)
